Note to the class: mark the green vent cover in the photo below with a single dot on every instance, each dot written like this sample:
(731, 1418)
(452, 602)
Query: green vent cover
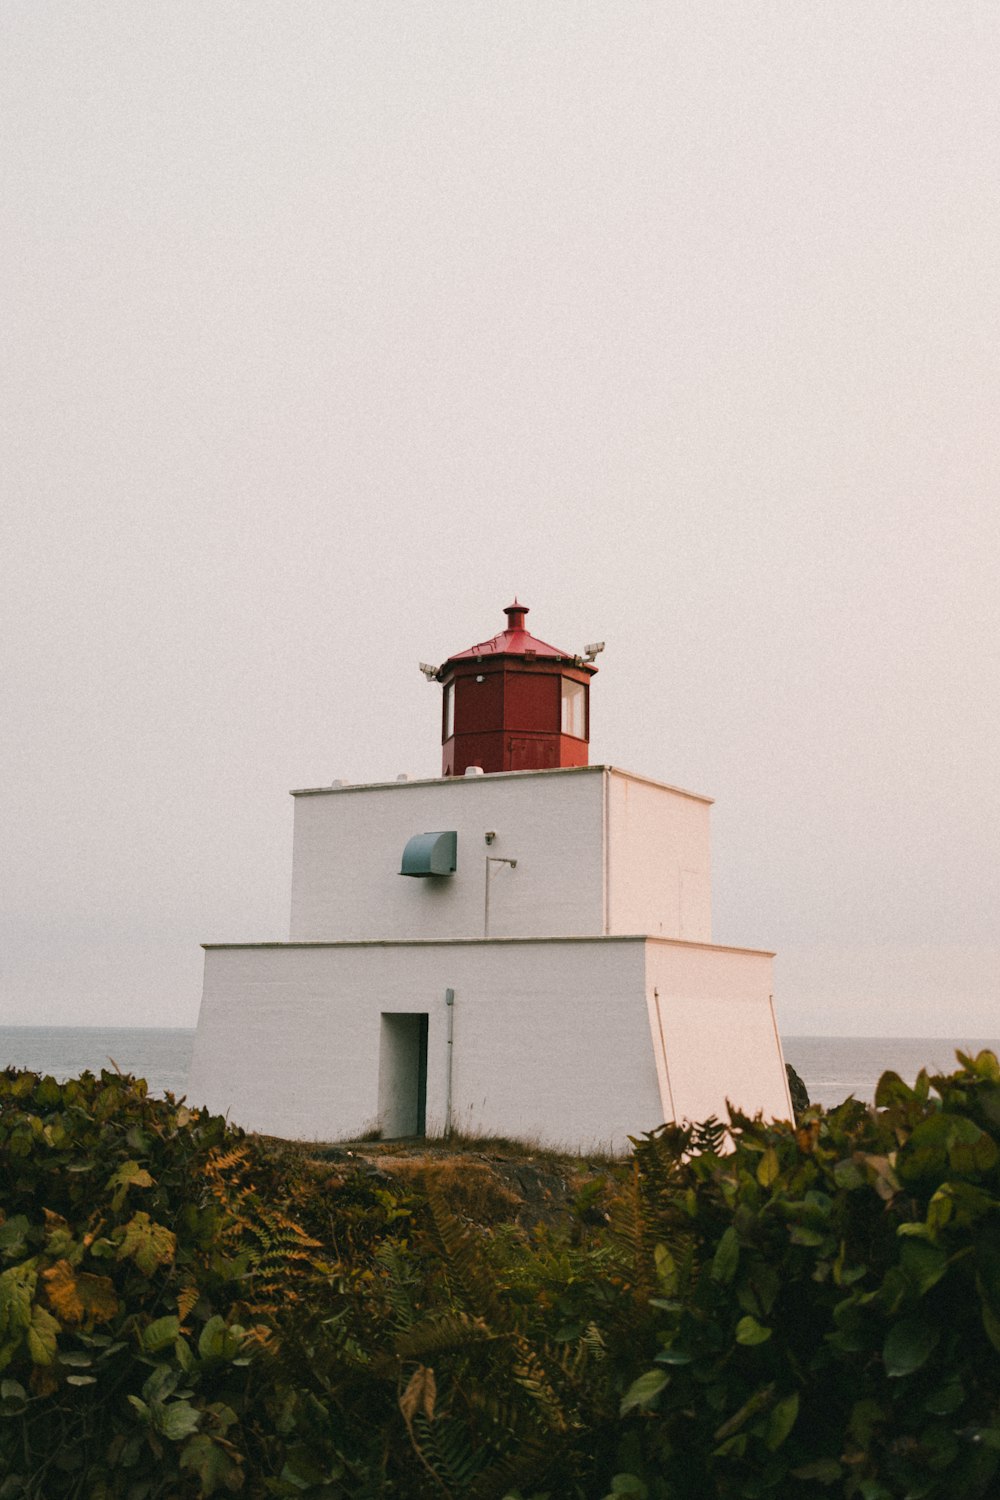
(430, 854)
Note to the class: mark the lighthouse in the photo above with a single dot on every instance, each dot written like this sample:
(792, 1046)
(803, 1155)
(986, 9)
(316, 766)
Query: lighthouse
(547, 970)
(514, 703)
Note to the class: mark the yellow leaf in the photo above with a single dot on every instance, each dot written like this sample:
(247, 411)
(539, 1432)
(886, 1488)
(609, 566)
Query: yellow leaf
(147, 1244)
(44, 1381)
(186, 1299)
(420, 1395)
(60, 1288)
(79, 1298)
(97, 1293)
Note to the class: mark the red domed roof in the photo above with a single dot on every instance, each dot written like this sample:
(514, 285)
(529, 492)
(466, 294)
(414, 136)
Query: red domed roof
(516, 641)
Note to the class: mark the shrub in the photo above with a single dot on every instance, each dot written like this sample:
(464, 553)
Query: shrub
(829, 1301)
(756, 1310)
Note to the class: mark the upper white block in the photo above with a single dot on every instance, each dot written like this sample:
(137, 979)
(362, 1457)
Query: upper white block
(599, 851)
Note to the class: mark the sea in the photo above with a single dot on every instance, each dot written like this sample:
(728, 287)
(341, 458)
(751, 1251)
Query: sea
(831, 1067)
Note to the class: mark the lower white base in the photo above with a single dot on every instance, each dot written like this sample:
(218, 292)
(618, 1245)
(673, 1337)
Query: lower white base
(576, 1043)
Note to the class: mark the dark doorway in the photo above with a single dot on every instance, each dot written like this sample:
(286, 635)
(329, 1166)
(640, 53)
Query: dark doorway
(402, 1074)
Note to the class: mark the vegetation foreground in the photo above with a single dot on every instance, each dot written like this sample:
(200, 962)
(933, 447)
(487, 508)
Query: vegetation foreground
(766, 1310)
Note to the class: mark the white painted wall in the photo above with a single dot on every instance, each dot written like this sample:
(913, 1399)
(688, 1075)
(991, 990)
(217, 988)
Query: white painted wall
(552, 1039)
(575, 833)
(577, 1042)
(658, 860)
(716, 1038)
(348, 844)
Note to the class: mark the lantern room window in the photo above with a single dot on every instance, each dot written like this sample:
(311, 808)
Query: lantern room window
(574, 709)
(449, 711)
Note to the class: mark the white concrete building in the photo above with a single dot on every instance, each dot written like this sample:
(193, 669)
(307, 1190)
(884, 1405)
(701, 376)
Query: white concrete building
(558, 983)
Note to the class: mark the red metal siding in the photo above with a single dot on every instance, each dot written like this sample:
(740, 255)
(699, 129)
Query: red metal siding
(478, 705)
(531, 702)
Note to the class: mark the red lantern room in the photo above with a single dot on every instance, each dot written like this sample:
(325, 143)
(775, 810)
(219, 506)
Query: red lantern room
(514, 703)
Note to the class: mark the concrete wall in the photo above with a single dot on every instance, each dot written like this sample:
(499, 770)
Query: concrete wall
(659, 875)
(713, 1019)
(598, 851)
(552, 1039)
(348, 844)
(581, 1042)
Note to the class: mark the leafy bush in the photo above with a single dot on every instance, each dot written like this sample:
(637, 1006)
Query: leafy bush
(132, 1252)
(755, 1310)
(186, 1311)
(829, 1301)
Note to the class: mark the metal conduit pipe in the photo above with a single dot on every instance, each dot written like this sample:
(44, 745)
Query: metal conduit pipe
(449, 1000)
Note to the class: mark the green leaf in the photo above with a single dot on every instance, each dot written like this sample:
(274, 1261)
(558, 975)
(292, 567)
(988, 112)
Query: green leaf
(726, 1257)
(666, 1270)
(782, 1420)
(643, 1392)
(768, 1168)
(129, 1175)
(628, 1484)
(673, 1355)
(17, 1287)
(890, 1089)
(42, 1336)
(214, 1466)
(184, 1356)
(946, 1399)
(825, 1470)
(924, 1264)
(161, 1332)
(872, 1489)
(940, 1210)
(987, 1262)
(908, 1346)
(177, 1420)
(750, 1332)
(13, 1236)
(848, 1175)
(217, 1341)
(991, 1323)
(13, 1397)
(160, 1384)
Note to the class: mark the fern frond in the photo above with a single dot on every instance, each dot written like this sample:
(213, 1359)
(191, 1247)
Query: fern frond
(224, 1161)
(400, 1281)
(441, 1332)
(446, 1449)
(465, 1267)
(532, 1376)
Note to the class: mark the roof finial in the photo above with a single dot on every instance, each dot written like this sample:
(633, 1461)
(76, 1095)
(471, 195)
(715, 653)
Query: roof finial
(515, 615)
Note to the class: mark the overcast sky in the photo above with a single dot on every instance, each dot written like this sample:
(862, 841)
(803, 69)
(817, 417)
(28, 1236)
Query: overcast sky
(328, 326)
